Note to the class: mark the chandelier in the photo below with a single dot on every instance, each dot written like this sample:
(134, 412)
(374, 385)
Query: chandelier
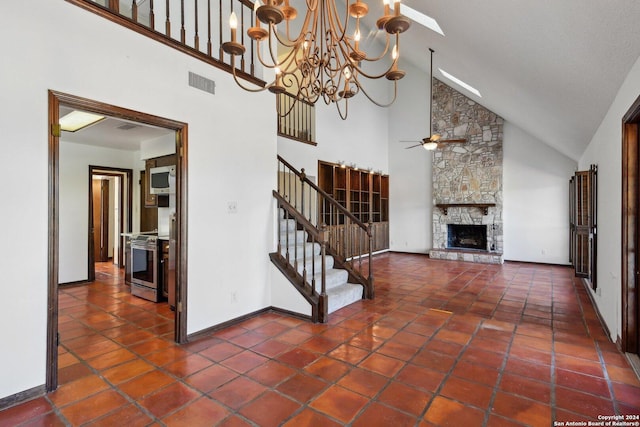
(324, 60)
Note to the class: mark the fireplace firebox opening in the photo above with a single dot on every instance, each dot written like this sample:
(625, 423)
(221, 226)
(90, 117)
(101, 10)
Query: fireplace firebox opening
(464, 236)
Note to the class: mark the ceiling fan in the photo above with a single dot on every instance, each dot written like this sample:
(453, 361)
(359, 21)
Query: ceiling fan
(434, 141)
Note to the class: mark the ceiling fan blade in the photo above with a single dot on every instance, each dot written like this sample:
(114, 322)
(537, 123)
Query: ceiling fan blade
(413, 146)
(408, 140)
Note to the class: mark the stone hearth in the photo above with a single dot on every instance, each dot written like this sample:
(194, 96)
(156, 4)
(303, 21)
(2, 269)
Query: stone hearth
(467, 173)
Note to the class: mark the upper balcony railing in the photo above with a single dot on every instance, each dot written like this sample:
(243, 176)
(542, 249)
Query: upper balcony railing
(195, 27)
(299, 122)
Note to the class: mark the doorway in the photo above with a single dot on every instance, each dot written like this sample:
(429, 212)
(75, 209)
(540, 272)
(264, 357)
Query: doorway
(56, 101)
(630, 339)
(110, 215)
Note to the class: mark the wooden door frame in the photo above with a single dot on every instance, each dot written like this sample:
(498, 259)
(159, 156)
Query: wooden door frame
(55, 99)
(119, 172)
(630, 222)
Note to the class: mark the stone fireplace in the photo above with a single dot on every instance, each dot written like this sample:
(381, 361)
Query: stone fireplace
(467, 180)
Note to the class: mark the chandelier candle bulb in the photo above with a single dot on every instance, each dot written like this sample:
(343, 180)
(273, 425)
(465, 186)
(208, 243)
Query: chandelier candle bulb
(233, 24)
(380, 23)
(277, 71)
(394, 56)
(396, 7)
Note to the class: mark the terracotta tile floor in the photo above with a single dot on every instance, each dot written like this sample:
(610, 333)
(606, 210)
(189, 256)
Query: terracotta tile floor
(444, 343)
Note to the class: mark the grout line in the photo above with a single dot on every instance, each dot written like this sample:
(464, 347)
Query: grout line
(612, 395)
(553, 379)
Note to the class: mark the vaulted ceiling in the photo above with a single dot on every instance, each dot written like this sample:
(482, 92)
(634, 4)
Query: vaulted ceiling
(551, 67)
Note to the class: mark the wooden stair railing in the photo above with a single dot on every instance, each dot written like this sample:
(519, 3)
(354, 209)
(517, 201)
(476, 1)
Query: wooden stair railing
(296, 118)
(345, 237)
(195, 27)
(294, 265)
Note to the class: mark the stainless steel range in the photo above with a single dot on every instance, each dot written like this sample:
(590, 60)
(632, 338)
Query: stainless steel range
(144, 267)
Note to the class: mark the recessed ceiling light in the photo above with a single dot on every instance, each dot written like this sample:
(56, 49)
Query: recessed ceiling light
(77, 120)
(420, 18)
(461, 83)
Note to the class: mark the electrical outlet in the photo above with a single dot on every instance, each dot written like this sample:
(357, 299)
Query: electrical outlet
(232, 207)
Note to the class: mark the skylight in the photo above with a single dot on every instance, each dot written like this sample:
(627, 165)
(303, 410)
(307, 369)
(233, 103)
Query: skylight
(461, 83)
(420, 18)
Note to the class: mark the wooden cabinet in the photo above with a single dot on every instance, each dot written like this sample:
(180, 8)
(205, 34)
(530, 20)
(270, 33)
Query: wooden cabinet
(127, 259)
(363, 193)
(155, 200)
(164, 267)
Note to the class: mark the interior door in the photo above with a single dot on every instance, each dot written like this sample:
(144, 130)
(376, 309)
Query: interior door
(100, 226)
(583, 224)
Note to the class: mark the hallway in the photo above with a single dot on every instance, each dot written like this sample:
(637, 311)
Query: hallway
(444, 343)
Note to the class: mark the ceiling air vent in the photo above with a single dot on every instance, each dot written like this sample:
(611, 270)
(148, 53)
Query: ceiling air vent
(202, 83)
(128, 126)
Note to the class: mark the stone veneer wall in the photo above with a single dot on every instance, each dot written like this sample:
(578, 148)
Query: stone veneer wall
(466, 173)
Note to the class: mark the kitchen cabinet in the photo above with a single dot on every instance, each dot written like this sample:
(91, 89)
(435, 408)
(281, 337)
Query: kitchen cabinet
(155, 200)
(164, 267)
(365, 194)
(127, 259)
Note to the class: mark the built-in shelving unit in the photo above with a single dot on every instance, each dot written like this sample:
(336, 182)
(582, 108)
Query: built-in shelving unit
(364, 193)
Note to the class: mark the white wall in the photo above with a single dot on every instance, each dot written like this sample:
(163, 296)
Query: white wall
(410, 185)
(158, 147)
(605, 150)
(410, 189)
(74, 201)
(361, 139)
(285, 296)
(65, 48)
(536, 199)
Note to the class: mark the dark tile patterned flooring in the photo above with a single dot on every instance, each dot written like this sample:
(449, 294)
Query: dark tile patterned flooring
(443, 344)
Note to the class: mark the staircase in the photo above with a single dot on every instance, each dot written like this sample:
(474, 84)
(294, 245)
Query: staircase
(306, 259)
(329, 264)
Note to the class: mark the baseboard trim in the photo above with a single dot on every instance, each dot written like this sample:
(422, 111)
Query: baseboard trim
(202, 333)
(550, 264)
(23, 396)
(408, 253)
(587, 286)
(291, 313)
(74, 284)
(634, 361)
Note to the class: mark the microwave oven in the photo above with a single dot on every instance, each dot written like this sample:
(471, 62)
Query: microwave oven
(162, 180)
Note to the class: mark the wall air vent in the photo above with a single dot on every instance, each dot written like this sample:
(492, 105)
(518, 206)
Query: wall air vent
(202, 83)
(128, 126)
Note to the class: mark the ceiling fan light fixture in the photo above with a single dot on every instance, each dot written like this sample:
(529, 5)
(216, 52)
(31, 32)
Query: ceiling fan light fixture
(430, 146)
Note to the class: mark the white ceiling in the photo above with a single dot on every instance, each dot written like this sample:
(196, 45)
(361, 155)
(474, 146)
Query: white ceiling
(113, 133)
(551, 67)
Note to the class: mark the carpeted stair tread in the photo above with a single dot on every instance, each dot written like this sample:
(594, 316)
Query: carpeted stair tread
(343, 295)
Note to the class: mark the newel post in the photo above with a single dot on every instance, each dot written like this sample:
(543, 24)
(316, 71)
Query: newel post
(370, 288)
(323, 303)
